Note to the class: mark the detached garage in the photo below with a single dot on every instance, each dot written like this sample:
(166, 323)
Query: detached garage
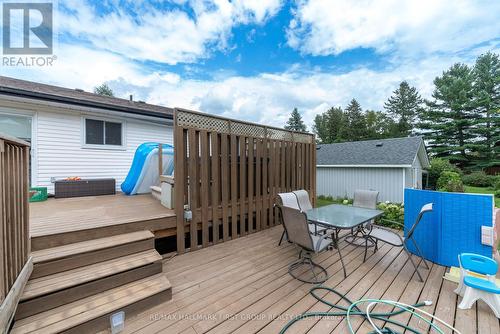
(387, 165)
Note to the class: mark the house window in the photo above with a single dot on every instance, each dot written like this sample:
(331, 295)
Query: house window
(106, 133)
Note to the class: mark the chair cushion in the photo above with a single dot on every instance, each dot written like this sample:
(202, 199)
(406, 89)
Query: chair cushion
(481, 284)
(386, 236)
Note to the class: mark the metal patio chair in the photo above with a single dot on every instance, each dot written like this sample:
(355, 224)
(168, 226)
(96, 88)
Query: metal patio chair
(297, 228)
(363, 199)
(298, 202)
(304, 205)
(379, 233)
(303, 200)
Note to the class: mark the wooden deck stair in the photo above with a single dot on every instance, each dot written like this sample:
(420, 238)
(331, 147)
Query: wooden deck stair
(122, 272)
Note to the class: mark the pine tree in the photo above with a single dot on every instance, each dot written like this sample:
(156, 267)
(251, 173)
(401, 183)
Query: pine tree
(354, 123)
(487, 104)
(327, 125)
(404, 106)
(104, 90)
(448, 119)
(295, 122)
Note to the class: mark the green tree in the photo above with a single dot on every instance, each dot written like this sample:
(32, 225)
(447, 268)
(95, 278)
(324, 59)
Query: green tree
(104, 90)
(448, 119)
(354, 123)
(404, 106)
(487, 104)
(438, 166)
(295, 122)
(378, 125)
(327, 125)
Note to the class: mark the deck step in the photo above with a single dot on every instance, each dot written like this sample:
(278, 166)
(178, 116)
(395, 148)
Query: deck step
(156, 192)
(92, 314)
(44, 293)
(62, 258)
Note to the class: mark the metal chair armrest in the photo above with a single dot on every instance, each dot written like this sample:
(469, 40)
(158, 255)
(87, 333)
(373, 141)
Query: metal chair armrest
(323, 237)
(393, 222)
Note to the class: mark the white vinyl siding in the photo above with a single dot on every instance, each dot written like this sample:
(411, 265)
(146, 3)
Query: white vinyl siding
(343, 181)
(417, 170)
(60, 152)
(409, 177)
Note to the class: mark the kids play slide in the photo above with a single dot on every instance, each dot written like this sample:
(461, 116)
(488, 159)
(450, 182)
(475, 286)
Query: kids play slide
(144, 170)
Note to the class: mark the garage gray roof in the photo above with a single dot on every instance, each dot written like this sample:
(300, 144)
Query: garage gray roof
(394, 151)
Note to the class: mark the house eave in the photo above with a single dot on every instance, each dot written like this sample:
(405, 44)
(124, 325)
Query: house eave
(36, 96)
(26, 103)
(364, 166)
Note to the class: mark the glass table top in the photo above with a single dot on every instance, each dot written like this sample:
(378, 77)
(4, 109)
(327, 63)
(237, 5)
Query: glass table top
(341, 216)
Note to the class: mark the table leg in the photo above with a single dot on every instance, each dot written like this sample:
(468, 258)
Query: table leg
(336, 245)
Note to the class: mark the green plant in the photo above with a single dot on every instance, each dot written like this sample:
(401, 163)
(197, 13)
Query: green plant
(394, 212)
(478, 179)
(450, 181)
(437, 167)
(496, 185)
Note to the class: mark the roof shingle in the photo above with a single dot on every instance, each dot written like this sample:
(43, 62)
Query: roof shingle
(394, 151)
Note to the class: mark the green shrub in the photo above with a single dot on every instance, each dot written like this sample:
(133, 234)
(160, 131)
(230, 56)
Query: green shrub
(437, 167)
(478, 179)
(450, 181)
(497, 183)
(393, 212)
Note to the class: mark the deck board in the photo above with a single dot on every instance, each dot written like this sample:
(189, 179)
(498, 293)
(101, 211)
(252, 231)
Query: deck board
(242, 286)
(71, 214)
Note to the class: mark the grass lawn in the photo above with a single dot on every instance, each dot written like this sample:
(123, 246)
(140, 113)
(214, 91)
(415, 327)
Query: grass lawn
(322, 202)
(482, 190)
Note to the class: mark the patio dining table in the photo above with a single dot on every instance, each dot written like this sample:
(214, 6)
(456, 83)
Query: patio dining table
(341, 217)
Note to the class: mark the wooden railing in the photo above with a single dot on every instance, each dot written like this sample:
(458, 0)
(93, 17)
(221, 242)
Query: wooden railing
(228, 172)
(14, 215)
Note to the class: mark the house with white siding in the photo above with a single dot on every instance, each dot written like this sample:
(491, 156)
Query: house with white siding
(387, 165)
(76, 133)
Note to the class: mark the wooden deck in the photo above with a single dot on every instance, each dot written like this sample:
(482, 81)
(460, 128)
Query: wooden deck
(61, 221)
(242, 286)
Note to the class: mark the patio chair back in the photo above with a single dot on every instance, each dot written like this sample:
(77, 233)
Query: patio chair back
(297, 227)
(303, 199)
(365, 199)
(478, 263)
(289, 200)
(426, 208)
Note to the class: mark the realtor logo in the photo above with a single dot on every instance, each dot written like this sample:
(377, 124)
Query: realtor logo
(27, 28)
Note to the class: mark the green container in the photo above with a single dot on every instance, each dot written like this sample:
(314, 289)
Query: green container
(40, 194)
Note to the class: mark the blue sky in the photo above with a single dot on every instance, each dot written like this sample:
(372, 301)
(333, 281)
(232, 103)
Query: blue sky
(257, 60)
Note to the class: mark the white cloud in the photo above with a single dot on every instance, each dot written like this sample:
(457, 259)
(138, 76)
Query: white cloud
(325, 27)
(267, 98)
(163, 35)
(116, 40)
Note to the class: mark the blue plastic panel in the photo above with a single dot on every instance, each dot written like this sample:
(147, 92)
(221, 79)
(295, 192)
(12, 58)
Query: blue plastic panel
(453, 227)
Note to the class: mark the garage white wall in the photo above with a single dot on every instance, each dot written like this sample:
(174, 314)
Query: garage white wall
(343, 181)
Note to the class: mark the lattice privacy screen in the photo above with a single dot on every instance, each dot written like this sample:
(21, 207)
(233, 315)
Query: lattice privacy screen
(190, 119)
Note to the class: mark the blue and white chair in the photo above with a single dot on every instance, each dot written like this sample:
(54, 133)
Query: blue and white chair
(472, 288)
